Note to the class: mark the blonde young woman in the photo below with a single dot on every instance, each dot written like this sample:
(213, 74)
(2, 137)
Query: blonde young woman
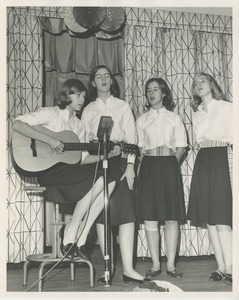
(210, 202)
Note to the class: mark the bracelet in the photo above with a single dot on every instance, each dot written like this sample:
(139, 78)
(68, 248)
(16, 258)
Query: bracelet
(130, 163)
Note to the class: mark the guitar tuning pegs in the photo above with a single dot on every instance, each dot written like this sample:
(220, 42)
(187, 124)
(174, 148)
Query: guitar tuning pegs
(130, 149)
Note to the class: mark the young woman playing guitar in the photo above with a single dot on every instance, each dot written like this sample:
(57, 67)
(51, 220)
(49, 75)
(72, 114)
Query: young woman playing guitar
(75, 181)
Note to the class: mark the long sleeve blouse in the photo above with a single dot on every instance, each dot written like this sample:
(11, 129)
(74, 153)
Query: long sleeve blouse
(216, 123)
(161, 128)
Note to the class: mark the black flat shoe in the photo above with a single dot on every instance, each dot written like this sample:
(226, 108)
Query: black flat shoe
(216, 276)
(228, 279)
(175, 273)
(152, 273)
(152, 286)
(130, 279)
(80, 252)
(66, 250)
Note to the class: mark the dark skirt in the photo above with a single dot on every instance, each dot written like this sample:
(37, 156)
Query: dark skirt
(160, 193)
(68, 183)
(122, 201)
(210, 200)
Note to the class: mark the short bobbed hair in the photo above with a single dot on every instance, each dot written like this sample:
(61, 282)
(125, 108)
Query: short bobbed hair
(69, 87)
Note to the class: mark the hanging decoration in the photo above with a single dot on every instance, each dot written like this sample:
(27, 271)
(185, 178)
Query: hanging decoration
(89, 18)
(115, 19)
(71, 23)
(110, 20)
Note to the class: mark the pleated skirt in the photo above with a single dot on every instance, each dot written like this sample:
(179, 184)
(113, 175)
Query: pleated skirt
(160, 194)
(210, 200)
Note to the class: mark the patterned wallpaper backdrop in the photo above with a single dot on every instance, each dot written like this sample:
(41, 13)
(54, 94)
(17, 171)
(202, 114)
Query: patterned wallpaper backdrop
(173, 45)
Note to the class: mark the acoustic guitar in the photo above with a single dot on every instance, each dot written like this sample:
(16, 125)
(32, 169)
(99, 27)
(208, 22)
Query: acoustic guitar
(32, 156)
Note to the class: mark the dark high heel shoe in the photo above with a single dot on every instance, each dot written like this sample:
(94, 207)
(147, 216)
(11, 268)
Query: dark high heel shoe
(80, 252)
(130, 279)
(66, 250)
(101, 279)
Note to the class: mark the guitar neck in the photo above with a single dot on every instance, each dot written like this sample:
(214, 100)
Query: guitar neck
(81, 146)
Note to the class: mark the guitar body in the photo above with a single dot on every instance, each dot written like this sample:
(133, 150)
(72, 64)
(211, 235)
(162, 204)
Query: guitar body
(24, 159)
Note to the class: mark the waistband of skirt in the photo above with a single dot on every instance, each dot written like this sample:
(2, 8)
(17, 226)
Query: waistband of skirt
(159, 151)
(214, 143)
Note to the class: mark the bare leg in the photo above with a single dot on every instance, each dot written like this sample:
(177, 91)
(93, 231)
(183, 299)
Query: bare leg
(126, 241)
(80, 210)
(152, 237)
(90, 218)
(216, 246)
(171, 238)
(225, 239)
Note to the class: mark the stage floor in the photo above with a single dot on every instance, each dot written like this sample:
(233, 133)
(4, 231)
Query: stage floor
(195, 279)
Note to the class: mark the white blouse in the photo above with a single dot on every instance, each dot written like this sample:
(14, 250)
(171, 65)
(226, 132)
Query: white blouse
(161, 128)
(56, 119)
(124, 128)
(216, 123)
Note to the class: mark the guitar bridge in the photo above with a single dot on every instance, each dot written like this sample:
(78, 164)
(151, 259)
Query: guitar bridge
(33, 147)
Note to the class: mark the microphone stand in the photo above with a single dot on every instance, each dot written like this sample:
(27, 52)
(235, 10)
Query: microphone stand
(107, 235)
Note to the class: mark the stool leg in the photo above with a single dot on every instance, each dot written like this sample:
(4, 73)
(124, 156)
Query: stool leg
(25, 272)
(40, 274)
(72, 271)
(91, 273)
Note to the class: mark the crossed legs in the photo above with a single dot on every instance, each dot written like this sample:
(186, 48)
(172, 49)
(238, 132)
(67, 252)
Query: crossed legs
(85, 213)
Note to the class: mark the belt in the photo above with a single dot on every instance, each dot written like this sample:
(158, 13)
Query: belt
(159, 151)
(212, 143)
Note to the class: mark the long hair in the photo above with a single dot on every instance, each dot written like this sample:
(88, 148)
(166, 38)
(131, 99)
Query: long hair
(167, 99)
(69, 87)
(114, 89)
(216, 91)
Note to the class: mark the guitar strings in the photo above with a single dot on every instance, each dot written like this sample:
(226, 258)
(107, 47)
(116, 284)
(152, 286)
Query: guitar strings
(79, 234)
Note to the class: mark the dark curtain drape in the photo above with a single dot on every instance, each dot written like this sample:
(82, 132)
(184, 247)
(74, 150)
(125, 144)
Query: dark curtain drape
(68, 56)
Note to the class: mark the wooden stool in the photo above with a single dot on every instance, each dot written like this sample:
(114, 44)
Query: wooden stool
(55, 256)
